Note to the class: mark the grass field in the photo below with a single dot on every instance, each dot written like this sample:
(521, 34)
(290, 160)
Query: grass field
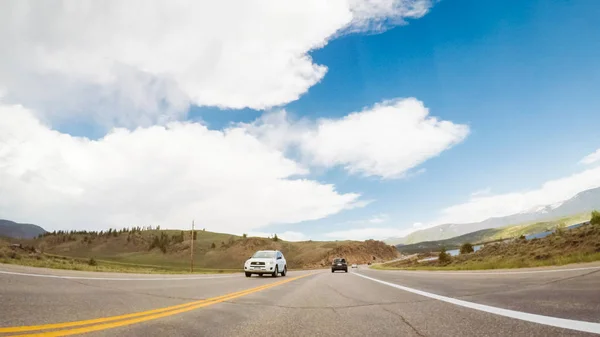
(563, 247)
(27, 258)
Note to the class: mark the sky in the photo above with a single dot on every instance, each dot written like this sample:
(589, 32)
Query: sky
(322, 120)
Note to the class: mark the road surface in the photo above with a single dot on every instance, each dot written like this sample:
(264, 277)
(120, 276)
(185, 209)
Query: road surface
(362, 302)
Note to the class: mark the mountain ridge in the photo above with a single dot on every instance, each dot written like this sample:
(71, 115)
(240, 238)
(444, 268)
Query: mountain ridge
(584, 201)
(17, 230)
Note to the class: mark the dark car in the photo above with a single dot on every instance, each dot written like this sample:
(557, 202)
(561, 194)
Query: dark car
(339, 264)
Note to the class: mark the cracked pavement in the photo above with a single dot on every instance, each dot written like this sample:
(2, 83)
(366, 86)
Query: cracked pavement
(323, 304)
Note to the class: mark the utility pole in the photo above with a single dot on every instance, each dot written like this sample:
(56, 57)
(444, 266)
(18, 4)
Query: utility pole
(192, 250)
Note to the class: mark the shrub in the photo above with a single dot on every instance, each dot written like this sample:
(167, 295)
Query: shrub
(595, 218)
(213, 246)
(444, 257)
(466, 248)
(92, 262)
(160, 242)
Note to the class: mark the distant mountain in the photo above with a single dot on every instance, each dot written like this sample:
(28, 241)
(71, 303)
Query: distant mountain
(585, 201)
(16, 230)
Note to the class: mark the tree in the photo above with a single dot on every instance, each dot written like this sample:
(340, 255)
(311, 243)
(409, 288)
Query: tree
(195, 235)
(244, 235)
(595, 218)
(275, 238)
(466, 248)
(444, 257)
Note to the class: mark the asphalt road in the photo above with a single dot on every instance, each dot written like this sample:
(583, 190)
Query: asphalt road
(361, 302)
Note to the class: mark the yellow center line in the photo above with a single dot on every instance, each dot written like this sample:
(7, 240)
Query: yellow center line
(105, 323)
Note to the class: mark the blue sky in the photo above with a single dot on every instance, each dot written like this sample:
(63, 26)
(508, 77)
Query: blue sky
(522, 77)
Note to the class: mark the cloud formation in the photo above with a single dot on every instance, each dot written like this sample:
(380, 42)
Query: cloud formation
(591, 158)
(482, 206)
(228, 181)
(385, 140)
(479, 208)
(376, 233)
(132, 63)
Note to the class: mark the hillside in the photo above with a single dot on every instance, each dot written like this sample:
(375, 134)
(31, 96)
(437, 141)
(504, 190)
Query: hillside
(171, 249)
(13, 229)
(580, 244)
(492, 234)
(583, 202)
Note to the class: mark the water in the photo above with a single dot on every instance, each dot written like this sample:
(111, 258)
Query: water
(455, 252)
(546, 233)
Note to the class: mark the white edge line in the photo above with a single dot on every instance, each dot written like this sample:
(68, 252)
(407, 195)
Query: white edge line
(433, 272)
(540, 319)
(116, 278)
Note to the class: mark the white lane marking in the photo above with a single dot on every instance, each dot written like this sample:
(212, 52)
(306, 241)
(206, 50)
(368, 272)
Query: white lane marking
(116, 278)
(540, 319)
(433, 272)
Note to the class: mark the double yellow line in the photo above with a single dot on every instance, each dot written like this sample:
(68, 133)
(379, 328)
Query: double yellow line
(90, 325)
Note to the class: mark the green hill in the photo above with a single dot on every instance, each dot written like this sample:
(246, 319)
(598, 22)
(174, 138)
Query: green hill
(492, 234)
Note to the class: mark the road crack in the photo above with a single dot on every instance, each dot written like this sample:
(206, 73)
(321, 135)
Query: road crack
(404, 320)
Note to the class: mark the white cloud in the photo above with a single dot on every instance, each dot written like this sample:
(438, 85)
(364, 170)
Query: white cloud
(479, 208)
(387, 139)
(379, 218)
(286, 236)
(378, 15)
(368, 233)
(228, 181)
(482, 206)
(141, 62)
(481, 192)
(591, 158)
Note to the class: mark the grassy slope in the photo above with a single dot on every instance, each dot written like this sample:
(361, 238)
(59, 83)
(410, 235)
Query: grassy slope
(567, 246)
(493, 234)
(129, 252)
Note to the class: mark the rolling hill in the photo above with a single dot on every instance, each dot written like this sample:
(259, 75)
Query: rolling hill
(170, 249)
(583, 202)
(13, 229)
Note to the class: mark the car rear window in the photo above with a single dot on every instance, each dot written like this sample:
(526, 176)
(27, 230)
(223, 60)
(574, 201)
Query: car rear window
(339, 261)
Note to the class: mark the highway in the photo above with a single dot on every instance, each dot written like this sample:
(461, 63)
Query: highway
(562, 301)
